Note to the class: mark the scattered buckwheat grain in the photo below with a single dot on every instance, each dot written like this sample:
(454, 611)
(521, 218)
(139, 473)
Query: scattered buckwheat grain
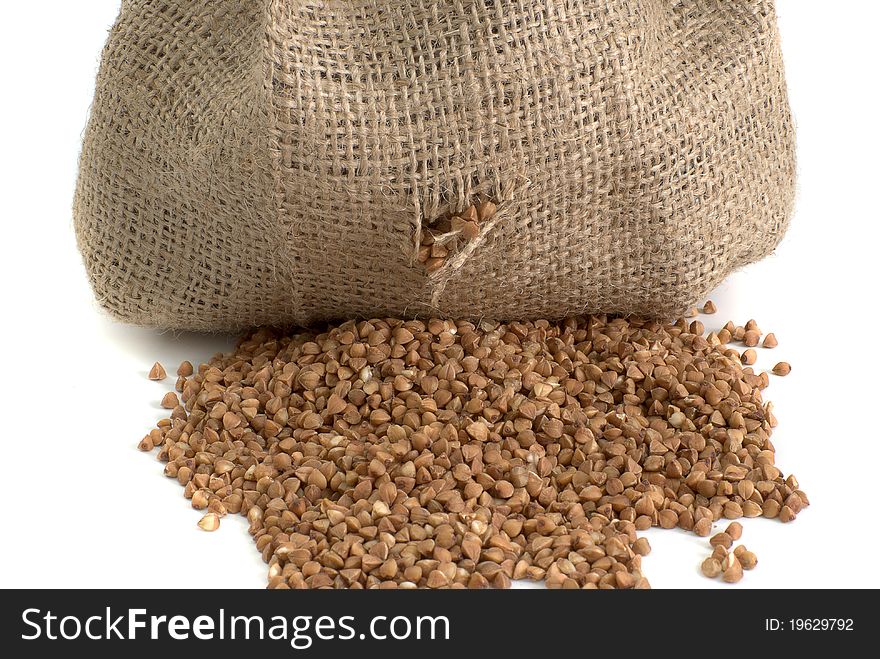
(749, 357)
(734, 530)
(782, 369)
(747, 559)
(721, 540)
(719, 552)
(732, 570)
(210, 522)
(751, 338)
(711, 567)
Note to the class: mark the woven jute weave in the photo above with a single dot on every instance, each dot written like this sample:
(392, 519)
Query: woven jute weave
(273, 162)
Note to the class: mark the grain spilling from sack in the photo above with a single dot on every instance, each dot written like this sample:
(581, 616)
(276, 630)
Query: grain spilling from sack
(410, 454)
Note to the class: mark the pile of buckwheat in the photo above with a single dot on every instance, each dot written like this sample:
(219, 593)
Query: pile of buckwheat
(438, 454)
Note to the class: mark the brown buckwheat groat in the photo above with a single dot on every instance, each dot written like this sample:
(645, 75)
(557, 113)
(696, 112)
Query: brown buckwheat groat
(157, 372)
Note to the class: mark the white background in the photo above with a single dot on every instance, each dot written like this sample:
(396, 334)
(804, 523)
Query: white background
(84, 508)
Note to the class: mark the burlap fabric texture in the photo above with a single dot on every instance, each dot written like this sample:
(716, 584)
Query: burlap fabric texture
(272, 162)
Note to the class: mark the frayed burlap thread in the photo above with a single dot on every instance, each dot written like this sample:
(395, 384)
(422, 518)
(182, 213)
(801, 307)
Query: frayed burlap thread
(273, 162)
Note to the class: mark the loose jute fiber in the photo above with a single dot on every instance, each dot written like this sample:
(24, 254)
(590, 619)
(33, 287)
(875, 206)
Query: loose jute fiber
(278, 162)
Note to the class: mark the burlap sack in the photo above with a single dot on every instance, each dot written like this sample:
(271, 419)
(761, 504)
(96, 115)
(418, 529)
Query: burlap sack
(274, 161)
